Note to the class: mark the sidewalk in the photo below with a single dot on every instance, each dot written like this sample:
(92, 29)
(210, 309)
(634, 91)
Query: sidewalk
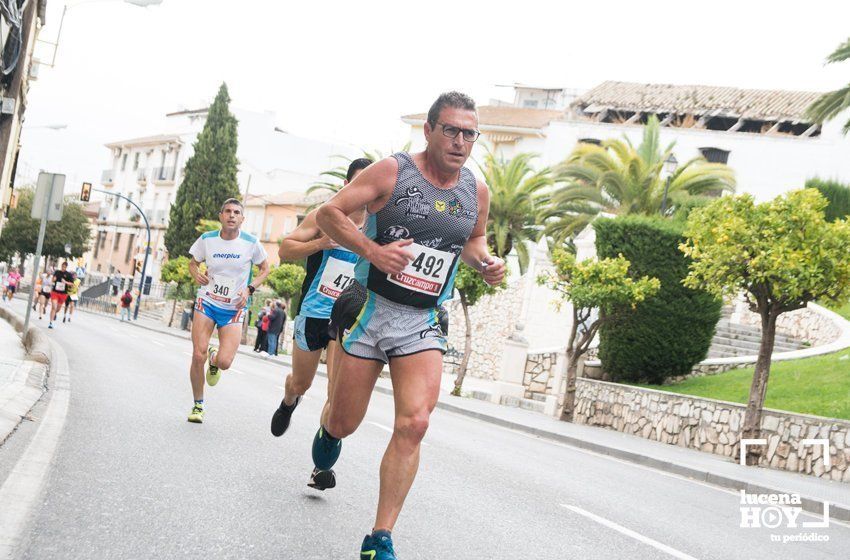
(690, 463)
(21, 379)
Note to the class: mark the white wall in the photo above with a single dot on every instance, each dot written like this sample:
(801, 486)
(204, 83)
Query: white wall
(765, 166)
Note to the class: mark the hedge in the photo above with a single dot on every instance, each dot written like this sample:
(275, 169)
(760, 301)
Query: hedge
(668, 334)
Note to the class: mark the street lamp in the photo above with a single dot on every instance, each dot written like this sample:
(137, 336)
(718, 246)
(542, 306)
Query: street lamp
(669, 168)
(140, 3)
(147, 247)
(47, 126)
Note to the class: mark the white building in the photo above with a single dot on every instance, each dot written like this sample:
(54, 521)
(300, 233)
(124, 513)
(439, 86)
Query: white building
(149, 170)
(762, 134)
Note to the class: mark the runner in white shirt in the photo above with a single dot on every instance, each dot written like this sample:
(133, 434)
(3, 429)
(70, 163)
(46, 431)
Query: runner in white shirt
(224, 290)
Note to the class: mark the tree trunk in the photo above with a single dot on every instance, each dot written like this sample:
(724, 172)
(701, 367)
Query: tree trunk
(173, 308)
(467, 347)
(568, 411)
(758, 389)
(568, 407)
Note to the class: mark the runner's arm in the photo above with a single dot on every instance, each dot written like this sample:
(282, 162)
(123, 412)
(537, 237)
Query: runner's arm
(305, 240)
(371, 188)
(262, 274)
(476, 253)
(195, 271)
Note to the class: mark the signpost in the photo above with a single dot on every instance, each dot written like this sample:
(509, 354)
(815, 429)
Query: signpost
(47, 205)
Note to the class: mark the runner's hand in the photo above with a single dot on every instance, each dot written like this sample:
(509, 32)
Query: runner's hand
(201, 278)
(327, 243)
(493, 271)
(392, 258)
(241, 298)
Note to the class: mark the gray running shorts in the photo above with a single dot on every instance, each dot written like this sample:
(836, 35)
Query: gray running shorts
(374, 328)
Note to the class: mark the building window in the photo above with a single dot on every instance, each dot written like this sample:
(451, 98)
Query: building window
(269, 225)
(97, 243)
(136, 161)
(530, 103)
(130, 247)
(715, 155)
(123, 162)
(103, 239)
(116, 242)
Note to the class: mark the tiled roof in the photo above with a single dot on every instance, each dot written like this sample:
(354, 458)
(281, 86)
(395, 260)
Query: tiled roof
(517, 117)
(280, 199)
(761, 104)
(146, 140)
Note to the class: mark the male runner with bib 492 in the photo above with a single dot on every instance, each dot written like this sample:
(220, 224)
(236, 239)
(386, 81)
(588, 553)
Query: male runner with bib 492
(426, 212)
(330, 268)
(222, 296)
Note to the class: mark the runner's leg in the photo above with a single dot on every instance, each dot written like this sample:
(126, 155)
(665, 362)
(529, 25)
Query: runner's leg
(416, 387)
(229, 337)
(334, 355)
(304, 366)
(202, 329)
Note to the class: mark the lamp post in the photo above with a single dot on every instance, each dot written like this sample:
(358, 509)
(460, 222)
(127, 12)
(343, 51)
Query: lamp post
(140, 3)
(147, 248)
(669, 167)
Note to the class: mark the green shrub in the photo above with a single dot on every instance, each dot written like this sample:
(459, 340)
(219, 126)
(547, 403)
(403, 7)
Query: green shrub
(667, 334)
(838, 195)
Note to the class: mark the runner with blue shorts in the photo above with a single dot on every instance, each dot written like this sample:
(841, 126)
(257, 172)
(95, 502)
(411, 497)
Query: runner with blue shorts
(225, 288)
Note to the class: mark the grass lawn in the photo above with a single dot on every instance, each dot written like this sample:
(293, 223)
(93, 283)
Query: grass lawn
(843, 310)
(819, 385)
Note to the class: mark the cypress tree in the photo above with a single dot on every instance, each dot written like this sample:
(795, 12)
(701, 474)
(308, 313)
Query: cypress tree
(209, 178)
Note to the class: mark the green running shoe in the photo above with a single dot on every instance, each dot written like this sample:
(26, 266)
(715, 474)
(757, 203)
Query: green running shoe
(213, 375)
(197, 414)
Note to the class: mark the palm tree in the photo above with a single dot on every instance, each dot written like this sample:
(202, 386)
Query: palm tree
(337, 174)
(517, 191)
(829, 105)
(617, 177)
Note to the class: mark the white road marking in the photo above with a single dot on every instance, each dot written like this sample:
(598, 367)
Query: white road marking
(231, 370)
(629, 533)
(158, 343)
(386, 429)
(729, 491)
(21, 492)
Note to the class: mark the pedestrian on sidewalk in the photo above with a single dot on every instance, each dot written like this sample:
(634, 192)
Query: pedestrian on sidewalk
(262, 325)
(126, 300)
(277, 320)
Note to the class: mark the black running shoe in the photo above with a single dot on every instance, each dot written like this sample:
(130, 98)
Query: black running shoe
(281, 417)
(322, 480)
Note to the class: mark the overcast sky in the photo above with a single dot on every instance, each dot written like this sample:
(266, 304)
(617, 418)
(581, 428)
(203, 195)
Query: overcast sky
(347, 70)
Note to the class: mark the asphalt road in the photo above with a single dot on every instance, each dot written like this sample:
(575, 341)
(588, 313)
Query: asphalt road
(133, 479)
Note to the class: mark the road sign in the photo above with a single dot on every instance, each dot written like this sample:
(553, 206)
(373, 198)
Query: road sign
(85, 193)
(49, 194)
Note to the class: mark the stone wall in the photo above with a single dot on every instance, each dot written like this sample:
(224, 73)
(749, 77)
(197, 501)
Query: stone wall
(539, 373)
(714, 426)
(803, 324)
(493, 319)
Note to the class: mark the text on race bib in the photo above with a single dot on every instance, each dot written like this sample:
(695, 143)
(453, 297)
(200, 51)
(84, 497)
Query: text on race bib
(427, 272)
(60, 286)
(337, 276)
(222, 289)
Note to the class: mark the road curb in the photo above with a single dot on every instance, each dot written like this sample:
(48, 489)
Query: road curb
(39, 352)
(839, 512)
(22, 490)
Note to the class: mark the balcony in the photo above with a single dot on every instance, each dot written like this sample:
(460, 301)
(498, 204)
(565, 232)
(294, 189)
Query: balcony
(107, 177)
(142, 177)
(163, 175)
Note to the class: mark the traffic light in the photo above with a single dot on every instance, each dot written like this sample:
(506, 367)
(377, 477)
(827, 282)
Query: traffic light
(85, 193)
